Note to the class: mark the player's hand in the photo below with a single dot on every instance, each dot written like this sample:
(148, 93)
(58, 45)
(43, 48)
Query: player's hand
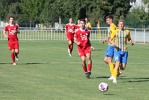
(132, 44)
(5, 36)
(114, 44)
(92, 48)
(103, 41)
(78, 43)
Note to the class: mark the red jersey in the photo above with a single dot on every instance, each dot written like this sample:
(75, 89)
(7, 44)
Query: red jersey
(70, 29)
(12, 34)
(83, 36)
(77, 27)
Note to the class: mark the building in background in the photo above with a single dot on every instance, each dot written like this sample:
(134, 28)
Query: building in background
(138, 4)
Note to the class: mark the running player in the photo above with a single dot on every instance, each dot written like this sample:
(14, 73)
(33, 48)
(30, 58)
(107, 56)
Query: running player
(84, 47)
(110, 50)
(70, 30)
(120, 37)
(10, 31)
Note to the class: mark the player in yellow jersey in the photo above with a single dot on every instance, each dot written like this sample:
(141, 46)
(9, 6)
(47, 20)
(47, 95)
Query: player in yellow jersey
(120, 37)
(110, 50)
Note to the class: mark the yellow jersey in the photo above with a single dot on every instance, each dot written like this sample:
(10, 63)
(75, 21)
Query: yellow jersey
(112, 28)
(121, 37)
(88, 25)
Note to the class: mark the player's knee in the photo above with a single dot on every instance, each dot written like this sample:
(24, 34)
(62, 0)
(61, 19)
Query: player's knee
(69, 42)
(106, 61)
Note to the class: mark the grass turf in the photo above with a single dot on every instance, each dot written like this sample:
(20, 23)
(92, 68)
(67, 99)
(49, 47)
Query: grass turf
(46, 72)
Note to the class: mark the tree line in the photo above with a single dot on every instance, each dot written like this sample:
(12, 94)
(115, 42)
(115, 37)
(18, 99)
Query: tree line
(45, 11)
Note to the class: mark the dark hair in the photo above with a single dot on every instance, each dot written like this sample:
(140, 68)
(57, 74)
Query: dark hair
(110, 16)
(83, 20)
(11, 17)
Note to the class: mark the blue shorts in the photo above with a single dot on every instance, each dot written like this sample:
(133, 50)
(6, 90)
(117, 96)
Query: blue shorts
(110, 51)
(120, 56)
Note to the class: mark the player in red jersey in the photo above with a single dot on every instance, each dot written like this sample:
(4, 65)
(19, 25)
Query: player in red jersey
(81, 38)
(70, 30)
(10, 31)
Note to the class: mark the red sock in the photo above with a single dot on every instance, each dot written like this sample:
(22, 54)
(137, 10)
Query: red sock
(70, 47)
(13, 57)
(16, 54)
(85, 69)
(89, 67)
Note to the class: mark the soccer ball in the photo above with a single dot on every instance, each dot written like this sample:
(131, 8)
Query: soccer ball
(103, 87)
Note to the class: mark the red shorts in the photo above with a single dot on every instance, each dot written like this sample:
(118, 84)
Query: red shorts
(84, 51)
(70, 37)
(13, 45)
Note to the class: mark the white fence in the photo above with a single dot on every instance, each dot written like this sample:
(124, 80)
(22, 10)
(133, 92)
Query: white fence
(138, 35)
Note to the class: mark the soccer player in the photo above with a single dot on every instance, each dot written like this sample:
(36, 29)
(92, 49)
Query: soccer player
(70, 30)
(81, 38)
(89, 27)
(10, 31)
(88, 24)
(120, 37)
(110, 50)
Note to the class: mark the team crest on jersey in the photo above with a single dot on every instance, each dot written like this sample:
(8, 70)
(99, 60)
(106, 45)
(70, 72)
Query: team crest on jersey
(116, 58)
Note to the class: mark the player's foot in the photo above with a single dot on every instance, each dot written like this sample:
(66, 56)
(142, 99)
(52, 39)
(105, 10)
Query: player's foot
(119, 73)
(111, 78)
(114, 80)
(69, 52)
(16, 57)
(14, 64)
(88, 74)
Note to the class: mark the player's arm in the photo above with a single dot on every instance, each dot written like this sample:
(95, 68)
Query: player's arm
(113, 34)
(129, 38)
(66, 28)
(17, 31)
(112, 28)
(5, 32)
(76, 41)
(105, 40)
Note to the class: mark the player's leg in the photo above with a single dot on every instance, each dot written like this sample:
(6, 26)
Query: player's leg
(13, 56)
(16, 50)
(110, 54)
(16, 54)
(106, 60)
(11, 46)
(88, 56)
(124, 61)
(84, 65)
(117, 58)
(70, 47)
(115, 71)
(83, 59)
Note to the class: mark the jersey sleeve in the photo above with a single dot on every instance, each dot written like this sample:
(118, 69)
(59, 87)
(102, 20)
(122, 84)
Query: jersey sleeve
(113, 27)
(5, 28)
(75, 37)
(129, 37)
(66, 28)
(113, 33)
(89, 25)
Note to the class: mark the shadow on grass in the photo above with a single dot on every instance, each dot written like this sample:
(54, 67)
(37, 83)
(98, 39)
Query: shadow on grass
(32, 63)
(5, 63)
(108, 94)
(102, 77)
(29, 63)
(139, 79)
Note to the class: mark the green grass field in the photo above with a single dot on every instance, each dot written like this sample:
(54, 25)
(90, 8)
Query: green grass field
(46, 72)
